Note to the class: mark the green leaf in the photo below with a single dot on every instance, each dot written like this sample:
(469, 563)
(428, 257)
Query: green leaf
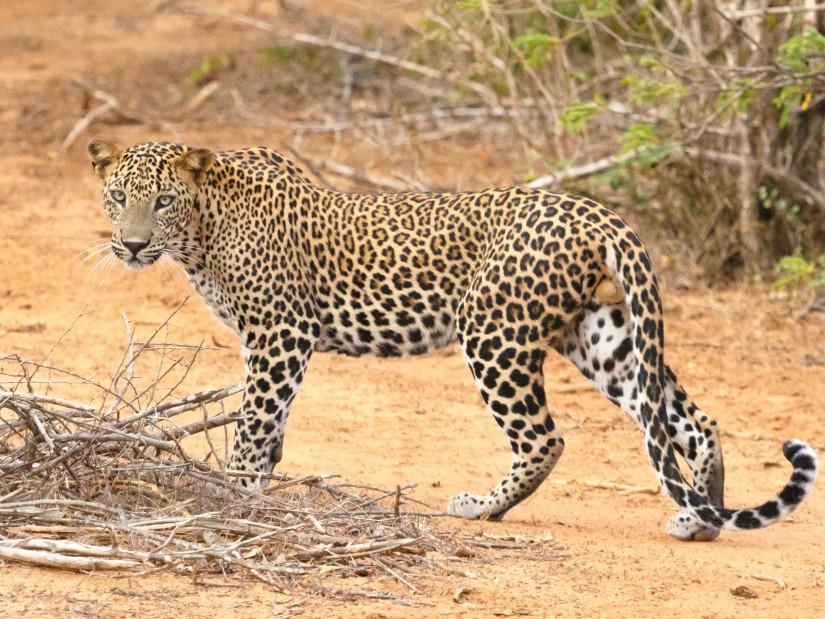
(804, 52)
(796, 269)
(739, 93)
(601, 8)
(652, 154)
(788, 100)
(277, 55)
(207, 66)
(646, 92)
(537, 47)
(649, 62)
(649, 148)
(528, 41)
(576, 116)
(637, 136)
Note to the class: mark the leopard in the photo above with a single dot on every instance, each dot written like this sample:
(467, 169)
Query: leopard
(513, 274)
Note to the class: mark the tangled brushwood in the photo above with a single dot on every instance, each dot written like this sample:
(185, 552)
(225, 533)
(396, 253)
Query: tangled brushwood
(112, 485)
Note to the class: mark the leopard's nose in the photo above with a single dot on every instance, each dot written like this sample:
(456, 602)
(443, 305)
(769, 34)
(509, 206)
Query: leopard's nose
(135, 246)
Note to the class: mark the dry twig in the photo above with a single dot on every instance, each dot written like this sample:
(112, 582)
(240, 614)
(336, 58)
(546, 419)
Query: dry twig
(108, 103)
(623, 488)
(774, 579)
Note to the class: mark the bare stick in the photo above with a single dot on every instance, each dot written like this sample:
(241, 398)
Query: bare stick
(40, 400)
(203, 426)
(625, 489)
(81, 125)
(42, 430)
(396, 575)
(85, 550)
(203, 95)
(129, 358)
(582, 170)
(183, 405)
(774, 10)
(108, 104)
(50, 559)
(774, 579)
(342, 169)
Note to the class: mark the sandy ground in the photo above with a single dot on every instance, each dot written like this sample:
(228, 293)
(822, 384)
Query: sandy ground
(598, 552)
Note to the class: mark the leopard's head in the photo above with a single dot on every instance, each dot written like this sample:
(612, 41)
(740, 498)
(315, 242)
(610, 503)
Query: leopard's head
(149, 191)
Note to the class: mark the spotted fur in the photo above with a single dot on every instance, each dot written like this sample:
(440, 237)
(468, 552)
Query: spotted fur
(513, 274)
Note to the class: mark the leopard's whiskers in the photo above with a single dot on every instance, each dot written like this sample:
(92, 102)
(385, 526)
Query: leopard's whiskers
(91, 253)
(101, 269)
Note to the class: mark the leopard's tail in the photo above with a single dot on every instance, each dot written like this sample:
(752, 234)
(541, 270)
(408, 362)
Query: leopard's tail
(632, 266)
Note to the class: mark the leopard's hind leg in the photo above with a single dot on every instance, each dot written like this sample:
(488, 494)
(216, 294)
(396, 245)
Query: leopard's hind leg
(600, 344)
(696, 437)
(509, 377)
(505, 349)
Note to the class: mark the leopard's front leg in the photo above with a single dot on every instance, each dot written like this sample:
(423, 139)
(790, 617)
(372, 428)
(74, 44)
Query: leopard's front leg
(275, 366)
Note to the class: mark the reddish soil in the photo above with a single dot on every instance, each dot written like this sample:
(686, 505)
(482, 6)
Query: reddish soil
(598, 551)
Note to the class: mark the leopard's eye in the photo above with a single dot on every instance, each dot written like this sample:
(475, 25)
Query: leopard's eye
(118, 196)
(163, 202)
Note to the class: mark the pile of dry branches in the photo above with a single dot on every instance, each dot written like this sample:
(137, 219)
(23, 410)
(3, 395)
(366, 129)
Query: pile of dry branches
(112, 485)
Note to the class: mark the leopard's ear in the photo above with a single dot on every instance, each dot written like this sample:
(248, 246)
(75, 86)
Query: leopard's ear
(194, 165)
(104, 156)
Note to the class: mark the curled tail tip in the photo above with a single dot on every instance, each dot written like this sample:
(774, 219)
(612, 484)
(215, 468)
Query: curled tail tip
(801, 456)
(805, 470)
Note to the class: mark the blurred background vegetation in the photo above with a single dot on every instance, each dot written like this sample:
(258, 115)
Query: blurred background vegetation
(712, 113)
(700, 121)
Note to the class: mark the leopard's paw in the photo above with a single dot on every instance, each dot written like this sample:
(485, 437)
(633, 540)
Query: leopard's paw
(686, 527)
(469, 506)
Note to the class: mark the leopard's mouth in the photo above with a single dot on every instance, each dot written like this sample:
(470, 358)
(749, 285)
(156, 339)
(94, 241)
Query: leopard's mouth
(140, 261)
(137, 263)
